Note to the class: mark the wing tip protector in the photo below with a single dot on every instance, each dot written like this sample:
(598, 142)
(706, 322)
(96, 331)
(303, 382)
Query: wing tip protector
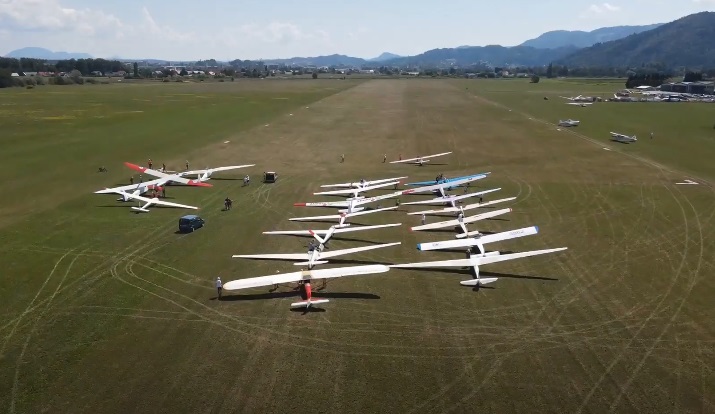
(536, 228)
(299, 204)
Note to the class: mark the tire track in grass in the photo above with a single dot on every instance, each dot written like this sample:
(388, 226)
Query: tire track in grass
(16, 378)
(652, 314)
(693, 280)
(30, 307)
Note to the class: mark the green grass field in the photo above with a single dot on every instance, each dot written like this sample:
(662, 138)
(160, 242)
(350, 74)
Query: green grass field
(106, 311)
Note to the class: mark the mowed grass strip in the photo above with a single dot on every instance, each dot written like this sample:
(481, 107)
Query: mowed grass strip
(132, 325)
(54, 139)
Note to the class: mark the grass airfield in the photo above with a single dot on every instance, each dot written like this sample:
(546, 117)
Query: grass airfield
(106, 311)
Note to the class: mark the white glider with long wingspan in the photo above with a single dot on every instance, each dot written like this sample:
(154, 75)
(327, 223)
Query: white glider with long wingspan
(462, 222)
(312, 257)
(342, 217)
(362, 183)
(168, 177)
(328, 234)
(205, 174)
(479, 242)
(474, 262)
(451, 199)
(351, 205)
(152, 201)
(450, 210)
(304, 278)
(355, 192)
(420, 160)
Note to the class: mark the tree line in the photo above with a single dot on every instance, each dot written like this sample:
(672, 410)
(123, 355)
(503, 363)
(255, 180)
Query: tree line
(85, 66)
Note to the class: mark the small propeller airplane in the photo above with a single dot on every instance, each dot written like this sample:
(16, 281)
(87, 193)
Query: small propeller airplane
(314, 256)
(451, 199)
(569, 123)
(625, 139)
(362, 183)
(342, 217)
(355, 192)
(328, 234)
(420, 160)
(151, 201)
(479, 241)
(452, 210)
(462, 221)
(442, 187)
(445, 180)
(474, 261)
(304, 278)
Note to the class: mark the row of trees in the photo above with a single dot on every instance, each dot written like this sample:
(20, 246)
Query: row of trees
(85, 66)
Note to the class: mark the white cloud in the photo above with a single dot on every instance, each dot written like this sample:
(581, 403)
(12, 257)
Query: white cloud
(49, 24)
(49, 15)
(602, 8)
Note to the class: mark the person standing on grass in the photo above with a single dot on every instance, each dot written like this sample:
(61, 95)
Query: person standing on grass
(187, 165)
(219, 286)
(424, 219)
(131, 180)
(384, 158)
(150, 163)
(342, 158)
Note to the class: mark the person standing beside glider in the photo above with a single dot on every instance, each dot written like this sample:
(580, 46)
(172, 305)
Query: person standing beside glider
(219, 286)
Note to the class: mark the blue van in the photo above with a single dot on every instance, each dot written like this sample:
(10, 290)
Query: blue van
(189, 223)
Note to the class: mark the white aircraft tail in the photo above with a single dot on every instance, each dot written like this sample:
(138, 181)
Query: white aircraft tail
(478, 282)
(317, 262)
(307, 303)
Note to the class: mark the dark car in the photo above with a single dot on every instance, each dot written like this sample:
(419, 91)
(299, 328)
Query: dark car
(270, 177)
(189, 223)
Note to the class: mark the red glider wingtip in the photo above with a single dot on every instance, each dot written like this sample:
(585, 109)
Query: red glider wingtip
(298, 204)
(199, 184)
(134, 166)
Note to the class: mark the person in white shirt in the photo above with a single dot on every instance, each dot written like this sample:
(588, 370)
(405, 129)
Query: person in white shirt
(219, 286)
(423, 219)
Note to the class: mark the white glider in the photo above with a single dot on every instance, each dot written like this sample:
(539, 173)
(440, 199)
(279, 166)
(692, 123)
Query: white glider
(168, 177)
(462, 222)
(205, 174)
(351, 205)
(420, 160)
(479, 242)
(362, 183)
(449, 210)
(451, 199)
(442, 187)
(474, 262)
(151, 201)
(355, 192)
(304, 278)
(328, 234)
(312, 257)
(342, 217)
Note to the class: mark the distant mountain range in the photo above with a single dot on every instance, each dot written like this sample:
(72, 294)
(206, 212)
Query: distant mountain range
(41, 53)
(683, 42)
(581, 39)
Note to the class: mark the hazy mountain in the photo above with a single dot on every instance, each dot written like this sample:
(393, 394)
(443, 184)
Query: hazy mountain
(41, 53)
(331, 60)
(684, 42)
(494, 55)
(578, 38)
(384, 56)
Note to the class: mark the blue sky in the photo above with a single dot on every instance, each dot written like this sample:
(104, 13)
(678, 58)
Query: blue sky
(252, 29)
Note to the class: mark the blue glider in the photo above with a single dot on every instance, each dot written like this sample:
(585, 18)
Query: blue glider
(446, 180)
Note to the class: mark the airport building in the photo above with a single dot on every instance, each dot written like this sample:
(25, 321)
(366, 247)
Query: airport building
(699, 88)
